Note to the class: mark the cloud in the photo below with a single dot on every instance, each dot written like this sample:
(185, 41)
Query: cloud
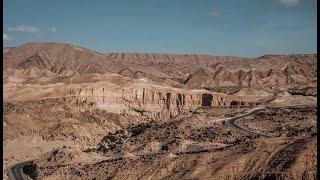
(289, 3)
(215, 14)
(24, 28)
(52, 29)
(7, 37)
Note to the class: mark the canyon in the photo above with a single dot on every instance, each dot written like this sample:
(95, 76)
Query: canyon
(81, 108)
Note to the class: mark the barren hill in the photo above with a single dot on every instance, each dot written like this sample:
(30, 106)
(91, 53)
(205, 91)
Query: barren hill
(80, 113)
(224, 74)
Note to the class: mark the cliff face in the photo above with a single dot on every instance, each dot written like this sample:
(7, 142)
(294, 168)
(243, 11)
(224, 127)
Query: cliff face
(150, 101)
(175, 83)
(160, 103)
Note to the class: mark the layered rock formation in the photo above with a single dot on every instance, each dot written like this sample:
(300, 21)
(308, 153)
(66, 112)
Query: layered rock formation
(152, 85)
(69, 96)
(151, 101)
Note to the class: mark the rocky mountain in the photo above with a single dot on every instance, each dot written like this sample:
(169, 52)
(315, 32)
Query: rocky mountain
(223, 74)
(79, 113)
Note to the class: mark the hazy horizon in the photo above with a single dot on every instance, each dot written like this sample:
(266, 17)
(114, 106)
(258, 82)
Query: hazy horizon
(248, 28)
(315, 53)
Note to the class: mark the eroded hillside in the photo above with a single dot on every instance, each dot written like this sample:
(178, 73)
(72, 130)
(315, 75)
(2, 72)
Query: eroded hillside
(128, 115)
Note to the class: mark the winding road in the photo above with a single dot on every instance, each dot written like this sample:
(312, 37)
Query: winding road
(234, 124)
(15, 172)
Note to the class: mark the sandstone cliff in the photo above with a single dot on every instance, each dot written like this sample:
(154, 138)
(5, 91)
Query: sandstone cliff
(150, 101)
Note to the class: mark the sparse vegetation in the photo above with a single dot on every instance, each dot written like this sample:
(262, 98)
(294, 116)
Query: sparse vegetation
(138, 129)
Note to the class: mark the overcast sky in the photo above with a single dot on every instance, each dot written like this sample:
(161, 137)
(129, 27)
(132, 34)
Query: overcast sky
(230, 27)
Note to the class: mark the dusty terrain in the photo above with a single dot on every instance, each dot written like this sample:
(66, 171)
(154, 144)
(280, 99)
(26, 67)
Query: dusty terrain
(81, 114)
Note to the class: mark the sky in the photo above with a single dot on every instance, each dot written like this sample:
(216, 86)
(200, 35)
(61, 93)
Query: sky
(247, 28)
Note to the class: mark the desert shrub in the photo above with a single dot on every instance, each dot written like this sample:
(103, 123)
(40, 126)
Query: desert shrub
(109, 138)
(138, 129)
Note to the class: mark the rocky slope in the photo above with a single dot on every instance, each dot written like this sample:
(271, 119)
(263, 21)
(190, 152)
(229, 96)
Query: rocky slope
(153, 86)
(221, 74)
(81, 102)
(180, 149)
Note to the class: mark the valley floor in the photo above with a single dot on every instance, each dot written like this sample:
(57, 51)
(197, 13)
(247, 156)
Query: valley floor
(195, 145)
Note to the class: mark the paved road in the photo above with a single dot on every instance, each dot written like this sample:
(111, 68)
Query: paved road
(233, 123)
(15, 171)
(252, 111)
